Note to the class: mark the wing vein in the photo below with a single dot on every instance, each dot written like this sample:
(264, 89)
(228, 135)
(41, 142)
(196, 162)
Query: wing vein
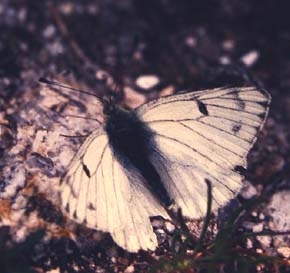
(211, 140)
(104, 187)
(233, 99)
(204, 171)
(96, 172)
(198, 120)
(115, 192)
(229, 119)
(225, 131)
(79, 192)
(191, 148)
(234, 109)
(175, 186)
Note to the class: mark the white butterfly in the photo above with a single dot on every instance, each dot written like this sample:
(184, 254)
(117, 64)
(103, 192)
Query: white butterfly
(126, 171)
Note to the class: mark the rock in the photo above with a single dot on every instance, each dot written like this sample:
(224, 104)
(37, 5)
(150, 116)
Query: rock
(157, 222)
(261, 216)
(167, 91)
(15, 177)
(133, 98)
(129, 269)
(49, 31)
(169, 227)
(228, 45)
(249, 243)
(254, 213)
(284, 251)
(191, 41)
(279, 209)
(265, 241)
(248, 225)
(250, 58)
(57, 270)
(147, 81)
(248, 191)
(224, 60)
(258, 228)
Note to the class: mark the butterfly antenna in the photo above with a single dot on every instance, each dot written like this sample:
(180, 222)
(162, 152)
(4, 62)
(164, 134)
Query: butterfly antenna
(49, 82)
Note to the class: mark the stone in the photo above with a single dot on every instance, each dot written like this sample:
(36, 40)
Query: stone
(147, 81)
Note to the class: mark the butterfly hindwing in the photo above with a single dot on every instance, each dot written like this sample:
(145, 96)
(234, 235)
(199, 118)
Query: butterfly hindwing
(205, 134)
(98, 191)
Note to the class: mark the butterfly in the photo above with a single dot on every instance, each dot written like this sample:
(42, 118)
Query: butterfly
(140, 162)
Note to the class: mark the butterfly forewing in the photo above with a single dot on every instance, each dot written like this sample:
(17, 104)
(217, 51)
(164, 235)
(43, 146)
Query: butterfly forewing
(101, 193)
(204, 135)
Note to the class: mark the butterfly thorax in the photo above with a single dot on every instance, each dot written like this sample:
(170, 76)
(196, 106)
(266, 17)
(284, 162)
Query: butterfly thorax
(131, 140)
(128, 135)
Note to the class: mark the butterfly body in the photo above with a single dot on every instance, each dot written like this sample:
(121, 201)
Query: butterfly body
(131, 141)
(140, 161)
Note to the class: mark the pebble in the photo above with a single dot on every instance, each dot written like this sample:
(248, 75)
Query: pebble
(133, 99)
(190, 41)
(67, 8)
(224, 60)
(265, 241)
(22, 15)
(167, 91)
(55, 48)
(147, 81)
(248, 191)
(57, 270)
(157, 223)
(102, 75)
(261, 216)
(250, 58)
(278, 209)
(160, 231)
(284, 251)
(248, 225)
(254, 214)
(49, 31)
(249, 243)
(228, 44)
(93, 9)
(129, 269)
(258, 228)
(169, 227)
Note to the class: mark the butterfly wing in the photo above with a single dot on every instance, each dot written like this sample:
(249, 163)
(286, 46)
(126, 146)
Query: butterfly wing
(205, 134)
(99, 192)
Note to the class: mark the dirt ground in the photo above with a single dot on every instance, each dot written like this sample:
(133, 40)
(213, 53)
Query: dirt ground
(147, 49)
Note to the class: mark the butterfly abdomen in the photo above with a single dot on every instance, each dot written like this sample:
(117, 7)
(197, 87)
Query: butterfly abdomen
(131, 139)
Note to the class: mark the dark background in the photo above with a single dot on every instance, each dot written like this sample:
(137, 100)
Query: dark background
(182, 42)
(109, 33)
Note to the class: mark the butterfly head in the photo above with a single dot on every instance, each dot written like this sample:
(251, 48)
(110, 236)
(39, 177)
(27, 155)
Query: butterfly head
(110, 103)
